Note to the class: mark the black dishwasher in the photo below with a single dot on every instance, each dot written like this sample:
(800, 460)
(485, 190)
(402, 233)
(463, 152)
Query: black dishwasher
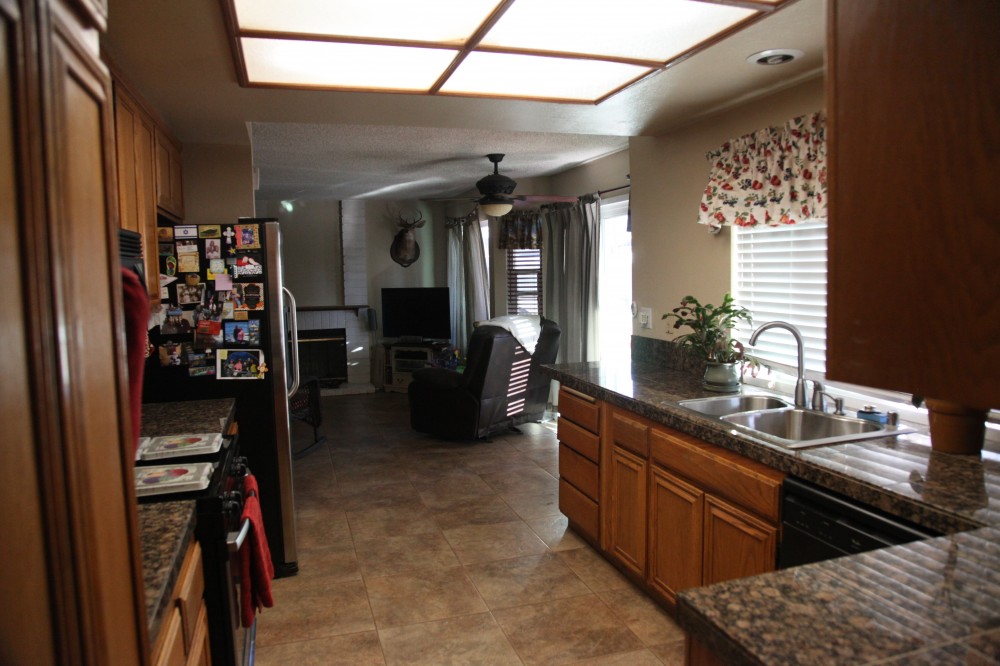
(818, 524)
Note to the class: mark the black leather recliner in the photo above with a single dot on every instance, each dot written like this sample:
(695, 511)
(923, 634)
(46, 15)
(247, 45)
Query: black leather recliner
(501, 387)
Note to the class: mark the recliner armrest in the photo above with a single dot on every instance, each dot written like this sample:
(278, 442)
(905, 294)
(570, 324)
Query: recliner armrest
(440, 378)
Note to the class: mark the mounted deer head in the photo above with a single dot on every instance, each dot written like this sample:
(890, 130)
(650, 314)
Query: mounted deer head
(404, 249)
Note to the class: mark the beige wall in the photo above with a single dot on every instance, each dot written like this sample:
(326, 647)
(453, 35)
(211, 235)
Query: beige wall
(673, 255)
(218, 183)
(311, 248)
(600, 174)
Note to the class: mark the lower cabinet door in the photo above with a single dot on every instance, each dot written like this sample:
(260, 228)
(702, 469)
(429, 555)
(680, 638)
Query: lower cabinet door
(627, 520)
(736, 543)
(676, 511)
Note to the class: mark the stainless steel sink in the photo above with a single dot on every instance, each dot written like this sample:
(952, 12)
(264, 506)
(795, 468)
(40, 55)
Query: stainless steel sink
(733, 404)
(801, 428)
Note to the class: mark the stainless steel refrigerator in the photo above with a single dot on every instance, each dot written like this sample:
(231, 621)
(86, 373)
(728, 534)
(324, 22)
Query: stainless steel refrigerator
(213, 318)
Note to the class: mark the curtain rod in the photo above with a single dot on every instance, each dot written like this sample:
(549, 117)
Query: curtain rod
(613, 189)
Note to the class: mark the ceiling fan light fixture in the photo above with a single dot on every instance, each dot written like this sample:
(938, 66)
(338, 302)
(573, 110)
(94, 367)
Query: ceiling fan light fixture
(495, 206)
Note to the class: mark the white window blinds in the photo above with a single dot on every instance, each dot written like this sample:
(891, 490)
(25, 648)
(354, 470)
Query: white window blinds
(779, 273)
(524, 282)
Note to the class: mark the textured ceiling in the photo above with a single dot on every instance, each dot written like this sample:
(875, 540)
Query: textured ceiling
(342, 144)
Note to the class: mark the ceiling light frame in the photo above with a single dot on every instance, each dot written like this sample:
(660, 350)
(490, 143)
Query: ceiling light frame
(628, 71)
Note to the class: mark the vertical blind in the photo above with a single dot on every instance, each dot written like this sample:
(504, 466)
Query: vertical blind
(524, 282)
(779, 273)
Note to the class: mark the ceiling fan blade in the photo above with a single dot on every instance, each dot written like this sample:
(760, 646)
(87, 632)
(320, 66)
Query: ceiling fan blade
(543, 198)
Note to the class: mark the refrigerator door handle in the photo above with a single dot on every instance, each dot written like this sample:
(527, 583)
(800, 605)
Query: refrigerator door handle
(293, 329)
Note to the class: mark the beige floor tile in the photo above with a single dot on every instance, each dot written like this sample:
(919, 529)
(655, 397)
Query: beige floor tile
(400, 493)
(362, 649)
(632, 658)
(390, 521)
(524, 481)
(486, 510)
(452, 486)
(421, 596)
(555, 532)
(340, 563)
(671, 654)
(486, 543)
(306, 608)
(525, 580)
(565, 630)
(534, 505)
(472, 639)
(315, 528)
(593, 569)
(642, 615)
(391, 555)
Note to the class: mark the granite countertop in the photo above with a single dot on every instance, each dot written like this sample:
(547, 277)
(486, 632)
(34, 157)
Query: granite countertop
(165, 529)
(186, 417)
(935, 601)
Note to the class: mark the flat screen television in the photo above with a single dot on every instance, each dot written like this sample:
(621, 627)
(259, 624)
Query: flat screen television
(416, 312)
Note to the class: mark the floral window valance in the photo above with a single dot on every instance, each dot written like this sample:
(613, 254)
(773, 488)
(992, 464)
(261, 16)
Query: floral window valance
(774, 176)
(520, 231)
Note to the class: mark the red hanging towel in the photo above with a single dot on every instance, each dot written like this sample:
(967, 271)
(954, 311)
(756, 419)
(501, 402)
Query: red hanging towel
(256, 569)
(136, 302)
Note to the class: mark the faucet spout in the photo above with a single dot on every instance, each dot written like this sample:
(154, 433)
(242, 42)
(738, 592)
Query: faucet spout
(800, 382)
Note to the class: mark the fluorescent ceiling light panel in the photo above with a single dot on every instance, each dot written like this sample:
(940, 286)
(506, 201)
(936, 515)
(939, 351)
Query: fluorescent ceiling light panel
(441, 21)
(355, 66)
(509, 75)
(562, 50)
(639, 29)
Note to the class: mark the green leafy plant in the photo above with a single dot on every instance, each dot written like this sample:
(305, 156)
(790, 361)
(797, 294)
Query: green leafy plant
(710, 326)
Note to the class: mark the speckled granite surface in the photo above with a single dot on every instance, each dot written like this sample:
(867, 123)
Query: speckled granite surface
(932, 602)
(165, 529)
(193, 416)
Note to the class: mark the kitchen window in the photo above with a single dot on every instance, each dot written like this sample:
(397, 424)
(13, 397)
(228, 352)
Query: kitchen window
(524, 282)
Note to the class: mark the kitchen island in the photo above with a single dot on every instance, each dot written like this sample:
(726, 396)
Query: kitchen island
(933, 601)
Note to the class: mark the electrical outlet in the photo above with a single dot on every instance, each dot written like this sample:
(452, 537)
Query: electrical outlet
(645, 317)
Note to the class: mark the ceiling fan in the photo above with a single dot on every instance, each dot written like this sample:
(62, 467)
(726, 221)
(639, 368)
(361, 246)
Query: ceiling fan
(496, 192)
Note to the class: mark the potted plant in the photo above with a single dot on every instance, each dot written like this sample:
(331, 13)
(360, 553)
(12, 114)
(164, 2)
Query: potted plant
(710, 339)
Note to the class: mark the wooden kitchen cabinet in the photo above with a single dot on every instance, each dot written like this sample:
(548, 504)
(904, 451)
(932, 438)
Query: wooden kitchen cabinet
(169, 185)
(736, 543)
(676, 525)
(913, 240)
(134, 145)
(579, 462)
(624, 498)
(713, 514)
(183, 636)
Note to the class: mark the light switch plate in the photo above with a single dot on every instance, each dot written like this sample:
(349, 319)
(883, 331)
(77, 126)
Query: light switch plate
(645, 317)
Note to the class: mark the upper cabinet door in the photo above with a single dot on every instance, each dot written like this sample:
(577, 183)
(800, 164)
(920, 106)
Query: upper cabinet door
(914, 290)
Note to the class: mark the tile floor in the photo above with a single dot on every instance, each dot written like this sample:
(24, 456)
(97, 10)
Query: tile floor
(414, 550)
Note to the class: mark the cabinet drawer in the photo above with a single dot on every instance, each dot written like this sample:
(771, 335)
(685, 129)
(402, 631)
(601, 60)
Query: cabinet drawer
(630, 434)
(190, 590)
(579, 471)
(748, 483)
(580, 509)
(582, 441)
(169, 650)
(580, 409)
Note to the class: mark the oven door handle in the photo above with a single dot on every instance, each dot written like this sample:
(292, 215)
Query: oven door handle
(235, 539)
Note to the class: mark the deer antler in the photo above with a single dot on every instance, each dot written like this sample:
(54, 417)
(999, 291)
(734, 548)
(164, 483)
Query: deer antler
(418, 222)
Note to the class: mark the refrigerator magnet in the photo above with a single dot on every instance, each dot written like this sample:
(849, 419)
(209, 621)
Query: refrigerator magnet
(170, 266)
(186, 231)
(189, 263)
(209, 231)
(165, 234)
(165, 249)
(247, 236)
(228, 234)
(240, 364)
(187, 246)
(247, 266)
(212, 249)
(190, 295)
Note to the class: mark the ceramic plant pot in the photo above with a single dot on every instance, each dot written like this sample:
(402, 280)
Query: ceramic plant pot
(956, 428)
(721, 377)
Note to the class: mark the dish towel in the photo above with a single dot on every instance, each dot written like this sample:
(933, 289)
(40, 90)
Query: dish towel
(256, 570)
(136, 303)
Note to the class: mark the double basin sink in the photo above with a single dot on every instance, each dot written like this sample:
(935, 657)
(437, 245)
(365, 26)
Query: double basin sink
(774, 420)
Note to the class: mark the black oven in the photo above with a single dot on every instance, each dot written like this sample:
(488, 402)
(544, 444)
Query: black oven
(220, 532)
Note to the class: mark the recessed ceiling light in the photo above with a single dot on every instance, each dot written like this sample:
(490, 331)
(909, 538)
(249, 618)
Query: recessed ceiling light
(774, 57)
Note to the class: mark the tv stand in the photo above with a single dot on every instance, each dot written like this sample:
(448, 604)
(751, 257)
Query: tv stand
(403, 357)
